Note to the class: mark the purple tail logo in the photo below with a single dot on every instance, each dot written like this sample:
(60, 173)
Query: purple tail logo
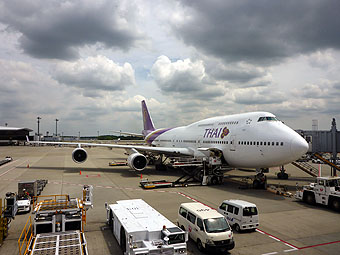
(147, 121)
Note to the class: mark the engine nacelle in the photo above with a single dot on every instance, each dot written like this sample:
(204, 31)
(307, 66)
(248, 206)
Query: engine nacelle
(79, 155)
(137, 161)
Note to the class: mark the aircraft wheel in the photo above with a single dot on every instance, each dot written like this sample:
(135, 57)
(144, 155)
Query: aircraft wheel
(214, 180)
(256, 184)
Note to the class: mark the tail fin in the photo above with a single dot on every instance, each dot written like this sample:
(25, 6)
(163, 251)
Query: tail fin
(147, 121)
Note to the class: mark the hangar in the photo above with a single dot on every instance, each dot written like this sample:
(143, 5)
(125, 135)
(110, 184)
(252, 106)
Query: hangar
(13, 135)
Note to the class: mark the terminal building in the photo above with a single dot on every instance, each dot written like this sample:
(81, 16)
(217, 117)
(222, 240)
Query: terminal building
(13, 135)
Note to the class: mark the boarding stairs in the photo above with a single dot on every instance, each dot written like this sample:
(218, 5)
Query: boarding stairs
(308, 168)
(326, 161)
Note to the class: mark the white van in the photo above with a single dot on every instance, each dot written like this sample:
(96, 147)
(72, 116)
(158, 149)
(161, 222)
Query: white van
(207, 227)
(240, 214)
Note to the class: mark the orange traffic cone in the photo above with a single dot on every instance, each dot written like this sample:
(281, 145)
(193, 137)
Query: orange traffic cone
(28, 165)
(141, 176)
(80, 172)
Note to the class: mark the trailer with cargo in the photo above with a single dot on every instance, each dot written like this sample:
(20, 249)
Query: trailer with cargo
(140, 229)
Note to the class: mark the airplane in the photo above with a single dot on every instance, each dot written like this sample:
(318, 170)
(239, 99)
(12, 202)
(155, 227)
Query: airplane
(247, 140)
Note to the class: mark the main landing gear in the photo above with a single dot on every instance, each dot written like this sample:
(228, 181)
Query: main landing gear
(260, 181)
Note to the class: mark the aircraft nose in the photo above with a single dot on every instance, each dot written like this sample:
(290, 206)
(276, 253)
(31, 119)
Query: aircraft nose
(298, 147)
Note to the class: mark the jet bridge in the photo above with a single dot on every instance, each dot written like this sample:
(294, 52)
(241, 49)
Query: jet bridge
(323, 141)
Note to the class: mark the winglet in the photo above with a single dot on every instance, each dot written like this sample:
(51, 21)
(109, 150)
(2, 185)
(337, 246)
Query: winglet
(147, 121)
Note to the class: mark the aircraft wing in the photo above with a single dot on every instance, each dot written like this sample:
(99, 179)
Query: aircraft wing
(127, 133)
(159, 150)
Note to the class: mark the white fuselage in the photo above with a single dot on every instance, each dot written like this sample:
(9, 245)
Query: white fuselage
(256, 140)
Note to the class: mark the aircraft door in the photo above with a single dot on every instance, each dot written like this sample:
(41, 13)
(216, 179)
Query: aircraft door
(233, 143)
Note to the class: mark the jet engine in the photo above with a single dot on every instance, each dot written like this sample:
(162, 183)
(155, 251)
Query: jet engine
(79, 155)
(137, 161)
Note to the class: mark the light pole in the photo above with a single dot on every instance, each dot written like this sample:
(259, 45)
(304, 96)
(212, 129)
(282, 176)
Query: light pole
(97, 135)
(38, 118)
(56, 127)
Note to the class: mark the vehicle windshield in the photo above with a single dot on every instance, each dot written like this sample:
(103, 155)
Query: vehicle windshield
(249, 211)
(334, 183)
(177, 238)
(216, 225)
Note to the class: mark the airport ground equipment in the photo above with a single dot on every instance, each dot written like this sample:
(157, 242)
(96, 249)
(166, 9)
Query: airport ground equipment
(326, 191)
(324, 141)
(58, 225)
(6, 160)
(195, 172)
(31, 188)
(7, 214)
(307, 168)
(140, 229)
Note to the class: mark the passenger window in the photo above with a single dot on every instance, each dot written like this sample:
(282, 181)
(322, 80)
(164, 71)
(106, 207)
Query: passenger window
(281, 143)
(200, 224)
(236, 211)
(265, 143)
(277, 143)
(223, 206)
(273, 143)
(230, 208)
(191, 217)
(183, 212)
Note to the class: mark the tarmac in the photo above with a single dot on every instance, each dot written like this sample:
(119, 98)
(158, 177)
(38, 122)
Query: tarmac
(286, 225)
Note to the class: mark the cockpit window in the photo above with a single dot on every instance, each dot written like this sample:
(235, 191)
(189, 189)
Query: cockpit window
(267, 119)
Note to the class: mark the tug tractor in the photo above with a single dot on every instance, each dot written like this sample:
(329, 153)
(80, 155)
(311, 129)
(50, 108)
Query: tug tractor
(326, 191)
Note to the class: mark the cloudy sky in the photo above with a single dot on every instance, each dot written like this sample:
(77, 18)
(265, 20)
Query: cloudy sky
(90, 63)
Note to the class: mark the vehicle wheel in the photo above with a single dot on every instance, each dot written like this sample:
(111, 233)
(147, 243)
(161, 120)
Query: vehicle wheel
(310, 198)
(237, 228)
(183, 228)
(336, 204)
(285, 176)
(199, 245)
(279, 175)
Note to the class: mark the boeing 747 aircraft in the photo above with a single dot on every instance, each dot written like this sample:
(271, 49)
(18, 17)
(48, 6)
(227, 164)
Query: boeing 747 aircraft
(248, 140)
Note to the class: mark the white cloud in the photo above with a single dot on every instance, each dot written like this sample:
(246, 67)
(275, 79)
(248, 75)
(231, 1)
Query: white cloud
(95, 73)
(321, 59)
(179, 76)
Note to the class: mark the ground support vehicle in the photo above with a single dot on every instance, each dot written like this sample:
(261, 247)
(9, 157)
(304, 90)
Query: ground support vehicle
(31, 188)
(7, 214)
(195, 172)
(24, 204)
(140, 229)
(207, 227)
(241, 215)
(6, 160)
(326, 191)
(57, 227)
